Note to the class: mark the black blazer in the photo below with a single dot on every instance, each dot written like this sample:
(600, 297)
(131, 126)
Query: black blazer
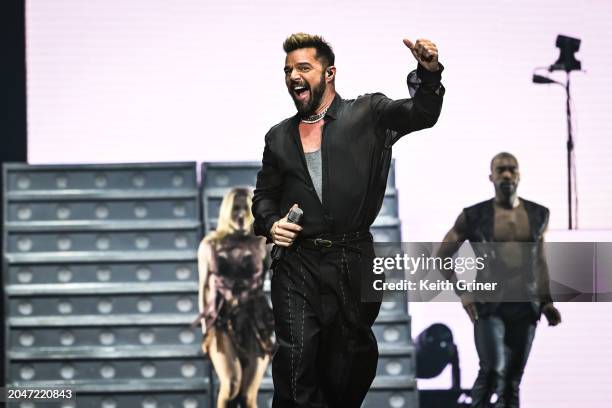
(356, 155)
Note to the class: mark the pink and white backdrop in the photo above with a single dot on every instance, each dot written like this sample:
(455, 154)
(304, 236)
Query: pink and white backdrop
(162, 80)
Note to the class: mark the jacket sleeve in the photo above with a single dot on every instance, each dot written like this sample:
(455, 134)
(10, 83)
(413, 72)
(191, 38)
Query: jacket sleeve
(267, 194)
(403, 116)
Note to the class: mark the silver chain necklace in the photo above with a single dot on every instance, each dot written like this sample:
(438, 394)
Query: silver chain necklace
(315, 118)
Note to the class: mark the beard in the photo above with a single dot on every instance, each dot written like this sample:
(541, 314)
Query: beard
(308, 107)
(507, 188)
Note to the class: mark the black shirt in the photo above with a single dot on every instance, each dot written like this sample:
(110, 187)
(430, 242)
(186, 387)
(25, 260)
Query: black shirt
(356, 154)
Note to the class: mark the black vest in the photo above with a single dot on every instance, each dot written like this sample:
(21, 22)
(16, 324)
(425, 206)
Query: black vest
(480, 220)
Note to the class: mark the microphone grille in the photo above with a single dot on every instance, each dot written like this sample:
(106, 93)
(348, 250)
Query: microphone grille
(295, 215)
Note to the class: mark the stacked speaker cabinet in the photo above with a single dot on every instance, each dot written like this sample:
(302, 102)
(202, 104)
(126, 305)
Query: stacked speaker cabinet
(100, 281)
(394, 385)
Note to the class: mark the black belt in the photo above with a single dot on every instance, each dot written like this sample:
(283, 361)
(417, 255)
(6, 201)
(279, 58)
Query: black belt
(335, 241)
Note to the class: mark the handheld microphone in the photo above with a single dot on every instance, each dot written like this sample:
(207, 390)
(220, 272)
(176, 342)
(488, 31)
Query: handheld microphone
(295, 217)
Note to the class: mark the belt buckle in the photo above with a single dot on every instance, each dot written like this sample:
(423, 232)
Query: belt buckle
(323, 242)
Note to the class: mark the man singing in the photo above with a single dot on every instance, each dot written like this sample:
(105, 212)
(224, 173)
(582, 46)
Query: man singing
(331, 160)
(504, 324)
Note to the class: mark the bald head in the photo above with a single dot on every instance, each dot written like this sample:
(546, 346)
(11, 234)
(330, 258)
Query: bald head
(503, 155)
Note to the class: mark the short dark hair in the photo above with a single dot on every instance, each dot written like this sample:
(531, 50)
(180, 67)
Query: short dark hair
(503, 155)
(297, 41)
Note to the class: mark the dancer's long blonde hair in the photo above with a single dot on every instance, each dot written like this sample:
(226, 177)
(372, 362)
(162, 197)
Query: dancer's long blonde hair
(224, 222)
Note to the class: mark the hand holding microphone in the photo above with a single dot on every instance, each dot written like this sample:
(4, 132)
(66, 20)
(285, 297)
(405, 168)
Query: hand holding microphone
(285, 230)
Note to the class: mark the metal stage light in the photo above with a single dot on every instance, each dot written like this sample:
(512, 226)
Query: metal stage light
(435, 350)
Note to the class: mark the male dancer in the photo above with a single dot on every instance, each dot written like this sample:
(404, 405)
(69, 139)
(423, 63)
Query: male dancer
(504, 328)
(332, 160)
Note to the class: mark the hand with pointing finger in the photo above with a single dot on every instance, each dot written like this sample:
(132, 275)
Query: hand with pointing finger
(425, 52)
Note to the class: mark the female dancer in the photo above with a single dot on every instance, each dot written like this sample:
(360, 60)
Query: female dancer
(237, 320)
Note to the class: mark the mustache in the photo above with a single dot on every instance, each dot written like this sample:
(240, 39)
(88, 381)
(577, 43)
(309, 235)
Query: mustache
(507, 185)
(300, 83)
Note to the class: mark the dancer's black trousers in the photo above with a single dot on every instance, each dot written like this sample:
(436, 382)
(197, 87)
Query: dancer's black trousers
(327, 353)
(503, 341)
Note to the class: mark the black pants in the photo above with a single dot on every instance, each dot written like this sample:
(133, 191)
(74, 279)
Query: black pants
(327, 353)
(503, 341)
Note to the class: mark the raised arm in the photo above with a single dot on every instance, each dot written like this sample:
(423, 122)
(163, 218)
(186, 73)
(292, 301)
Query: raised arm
(422, 110)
